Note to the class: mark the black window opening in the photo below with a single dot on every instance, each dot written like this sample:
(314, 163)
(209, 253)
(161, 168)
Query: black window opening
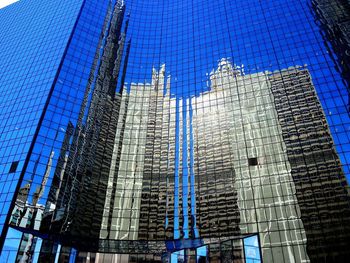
(253, 161)
(13, 167)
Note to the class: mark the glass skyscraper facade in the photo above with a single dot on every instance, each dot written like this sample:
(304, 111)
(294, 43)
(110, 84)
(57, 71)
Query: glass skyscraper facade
(175, 131)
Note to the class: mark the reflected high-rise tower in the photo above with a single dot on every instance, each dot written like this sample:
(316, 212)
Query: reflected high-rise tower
(284, 162)
(320, 183)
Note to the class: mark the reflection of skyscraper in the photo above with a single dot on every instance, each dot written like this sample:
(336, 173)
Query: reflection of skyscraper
(315, 166)
(217, 210)
(285, 163)
(260, 186)
(73, 209)
(224, 165)
(159, 158)
(241, 172)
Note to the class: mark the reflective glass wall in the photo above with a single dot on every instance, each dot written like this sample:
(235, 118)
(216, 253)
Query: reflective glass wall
(192, 131)
(33, 40)
(50, 54)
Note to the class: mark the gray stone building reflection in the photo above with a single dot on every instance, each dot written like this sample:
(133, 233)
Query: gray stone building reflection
(149, 173)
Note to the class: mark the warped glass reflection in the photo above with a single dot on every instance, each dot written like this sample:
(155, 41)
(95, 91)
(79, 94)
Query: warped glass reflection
(215, 132)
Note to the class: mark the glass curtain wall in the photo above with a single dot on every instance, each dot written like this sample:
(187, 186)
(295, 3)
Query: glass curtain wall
(191, 131)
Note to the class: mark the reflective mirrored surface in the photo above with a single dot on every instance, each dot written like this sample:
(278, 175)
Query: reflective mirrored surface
(175, 131)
